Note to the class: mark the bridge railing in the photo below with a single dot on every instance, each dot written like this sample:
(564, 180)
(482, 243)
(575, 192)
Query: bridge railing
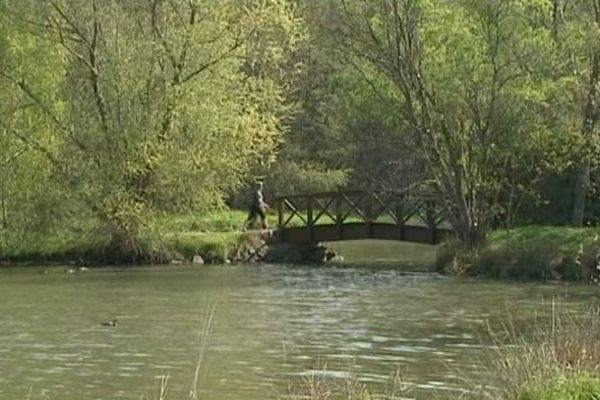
(360, 206)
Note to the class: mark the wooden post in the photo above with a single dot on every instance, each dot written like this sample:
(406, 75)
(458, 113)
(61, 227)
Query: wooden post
(429, 212)
(369, 212)
(280, 212)
(309, 218)
(399, 211)
(338, 215)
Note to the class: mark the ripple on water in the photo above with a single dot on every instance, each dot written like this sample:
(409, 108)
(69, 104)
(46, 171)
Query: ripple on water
(380, 339)
(409, 349)
(273, 325)
(383, 358)
(323, 374)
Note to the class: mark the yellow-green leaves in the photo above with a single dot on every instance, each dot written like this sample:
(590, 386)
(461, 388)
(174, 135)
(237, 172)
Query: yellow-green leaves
(148, 105)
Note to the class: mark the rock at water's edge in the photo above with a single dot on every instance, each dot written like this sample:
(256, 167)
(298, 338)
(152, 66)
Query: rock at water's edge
(198, 260)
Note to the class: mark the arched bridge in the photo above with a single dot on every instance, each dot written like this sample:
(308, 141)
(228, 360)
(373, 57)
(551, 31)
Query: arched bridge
(361, 214)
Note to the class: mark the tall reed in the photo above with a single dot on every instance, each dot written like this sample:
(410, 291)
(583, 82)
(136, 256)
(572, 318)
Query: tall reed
(565, 345)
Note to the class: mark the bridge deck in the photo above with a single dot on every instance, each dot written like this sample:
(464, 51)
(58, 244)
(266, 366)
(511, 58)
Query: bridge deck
(350, 215)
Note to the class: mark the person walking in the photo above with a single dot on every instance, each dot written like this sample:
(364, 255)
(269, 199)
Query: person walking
(257, 207)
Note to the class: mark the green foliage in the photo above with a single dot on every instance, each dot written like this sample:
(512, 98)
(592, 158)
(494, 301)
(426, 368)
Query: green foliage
(213, 235)
(30, 202)
(530, 253)
(578, 387)
(291, 177)
(536, 260)
(448, 87)
(566, 238)
(312, 155)
(588, 259)
(214, 221)
(480, 91)
(114, 112)
(375, 135)
(123, 110)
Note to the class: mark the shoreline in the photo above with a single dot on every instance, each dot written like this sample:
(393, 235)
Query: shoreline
(529, 253)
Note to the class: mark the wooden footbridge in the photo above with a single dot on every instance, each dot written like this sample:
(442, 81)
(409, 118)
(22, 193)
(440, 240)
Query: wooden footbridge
(362, 214)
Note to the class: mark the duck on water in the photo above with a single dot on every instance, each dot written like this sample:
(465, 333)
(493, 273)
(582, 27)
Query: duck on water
(113, 322)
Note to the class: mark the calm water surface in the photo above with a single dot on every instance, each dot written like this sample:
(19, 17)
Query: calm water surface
(273, 325)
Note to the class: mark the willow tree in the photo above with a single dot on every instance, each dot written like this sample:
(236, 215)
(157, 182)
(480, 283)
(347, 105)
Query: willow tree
(157, 110)
(462, 80)
(29, 202)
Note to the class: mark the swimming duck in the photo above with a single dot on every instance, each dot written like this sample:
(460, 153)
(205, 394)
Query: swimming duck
(114, 322)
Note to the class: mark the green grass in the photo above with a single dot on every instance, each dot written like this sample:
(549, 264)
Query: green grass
(532, 252)
(529, 253)
(577, 387)
(216, 236)
(216, 221)
(566, 238)
(55, 246)
(212, 235)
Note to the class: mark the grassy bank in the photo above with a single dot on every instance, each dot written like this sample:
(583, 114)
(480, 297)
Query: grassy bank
(215, 236)
(532, 252)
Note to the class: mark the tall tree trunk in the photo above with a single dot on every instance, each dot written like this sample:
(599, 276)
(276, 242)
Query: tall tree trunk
(582, 173)
(4, 219)
(590, 118)
(582, 179)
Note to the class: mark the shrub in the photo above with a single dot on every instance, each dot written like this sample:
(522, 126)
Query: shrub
(588, 259)
(534, 259)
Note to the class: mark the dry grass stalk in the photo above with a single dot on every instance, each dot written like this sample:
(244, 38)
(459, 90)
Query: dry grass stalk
(566, 343)
(317, 386)
(203, 339)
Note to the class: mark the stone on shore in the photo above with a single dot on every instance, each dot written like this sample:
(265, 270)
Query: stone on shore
(198, 260)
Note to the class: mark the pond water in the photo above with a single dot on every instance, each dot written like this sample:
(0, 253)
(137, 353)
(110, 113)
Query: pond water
(273, 325)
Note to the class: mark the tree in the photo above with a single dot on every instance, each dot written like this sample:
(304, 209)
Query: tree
(29, 204)
(575, 32)
(311, 154)
(156, 109)
(464, 88)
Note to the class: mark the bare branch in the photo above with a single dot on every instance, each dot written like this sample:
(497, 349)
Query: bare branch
(34, 97)
(75, 29)
(70, 50)
(158, 33)
(238, 42)
(45, 109)
(34, 145)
